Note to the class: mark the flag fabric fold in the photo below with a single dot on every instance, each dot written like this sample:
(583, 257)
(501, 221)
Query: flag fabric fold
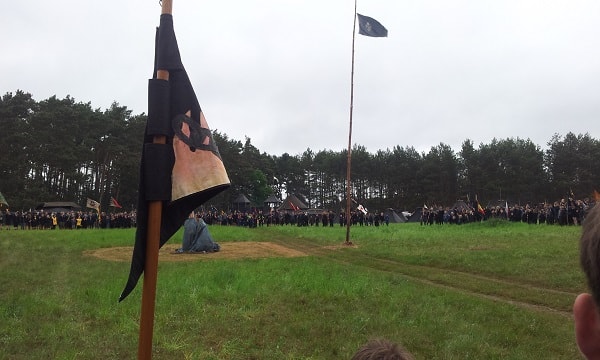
(114, 203)
(186, 171)
(3, 200)
(370, 27)
(92, 204)
(294, 207)
(480, 209)
(478, 206)
(362, 209)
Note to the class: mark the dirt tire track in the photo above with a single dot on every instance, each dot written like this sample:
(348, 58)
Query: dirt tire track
(333, 253)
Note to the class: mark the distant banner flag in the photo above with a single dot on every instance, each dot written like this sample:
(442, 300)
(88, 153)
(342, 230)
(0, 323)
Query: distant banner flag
(93, 204)
(3, 200)
(362, 209)
(294, 207)
(186, 171)
(370, 27)
(115, 203)
(480, 209)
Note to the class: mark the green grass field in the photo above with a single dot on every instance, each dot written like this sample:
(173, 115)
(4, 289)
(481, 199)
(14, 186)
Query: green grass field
(478, 291)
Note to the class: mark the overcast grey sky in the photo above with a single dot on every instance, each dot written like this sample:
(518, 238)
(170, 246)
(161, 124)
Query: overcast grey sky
(278, 71)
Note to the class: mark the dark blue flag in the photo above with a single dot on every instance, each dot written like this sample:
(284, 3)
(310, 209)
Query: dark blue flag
(370, 27)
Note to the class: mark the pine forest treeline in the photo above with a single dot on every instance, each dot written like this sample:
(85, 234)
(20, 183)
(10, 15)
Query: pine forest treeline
(63, 150)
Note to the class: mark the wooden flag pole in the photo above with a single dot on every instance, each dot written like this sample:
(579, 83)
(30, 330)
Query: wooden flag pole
(152, 246)
(349, 160)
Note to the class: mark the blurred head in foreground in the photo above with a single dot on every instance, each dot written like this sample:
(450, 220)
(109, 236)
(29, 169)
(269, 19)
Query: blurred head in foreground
(586, 306)
(382, 350)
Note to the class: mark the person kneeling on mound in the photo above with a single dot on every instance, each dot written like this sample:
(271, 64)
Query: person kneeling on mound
(196, 237)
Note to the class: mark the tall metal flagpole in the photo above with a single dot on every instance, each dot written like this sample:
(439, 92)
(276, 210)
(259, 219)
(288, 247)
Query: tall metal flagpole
(349, 161)
(152, 247)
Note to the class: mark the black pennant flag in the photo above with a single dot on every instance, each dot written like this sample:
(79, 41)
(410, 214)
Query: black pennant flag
(187, 170)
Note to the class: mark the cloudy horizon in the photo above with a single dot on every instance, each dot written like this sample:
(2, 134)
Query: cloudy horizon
(279, 72)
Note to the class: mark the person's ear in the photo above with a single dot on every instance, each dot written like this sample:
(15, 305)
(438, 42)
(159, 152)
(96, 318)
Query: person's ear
(587, 326)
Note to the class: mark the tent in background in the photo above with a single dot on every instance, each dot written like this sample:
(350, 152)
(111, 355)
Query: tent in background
(58, 206)
(416, 215)
(241, 203)
(394, 216)
(462, 205)
(292, 203)
(272, 202)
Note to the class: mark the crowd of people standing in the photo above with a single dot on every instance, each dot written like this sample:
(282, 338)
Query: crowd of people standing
(324, 218)
(563, 212)
(72, 220)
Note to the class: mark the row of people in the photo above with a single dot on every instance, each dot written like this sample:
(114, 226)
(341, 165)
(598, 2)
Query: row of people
(560, 213)
(258, 218)
(40, 219)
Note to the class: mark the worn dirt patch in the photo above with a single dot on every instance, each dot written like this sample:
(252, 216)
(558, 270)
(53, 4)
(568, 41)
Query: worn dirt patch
(229, 250)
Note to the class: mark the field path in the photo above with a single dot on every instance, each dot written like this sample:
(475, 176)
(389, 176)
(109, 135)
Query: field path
(509, 291)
